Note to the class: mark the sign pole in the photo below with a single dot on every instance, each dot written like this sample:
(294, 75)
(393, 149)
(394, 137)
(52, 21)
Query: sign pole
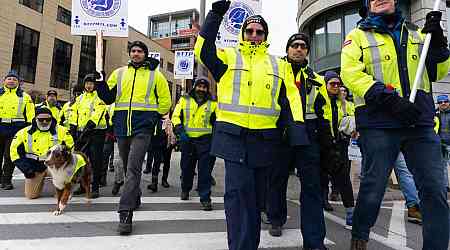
(99, 51)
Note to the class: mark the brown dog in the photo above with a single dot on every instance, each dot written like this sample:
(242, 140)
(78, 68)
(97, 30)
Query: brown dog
(61, 163)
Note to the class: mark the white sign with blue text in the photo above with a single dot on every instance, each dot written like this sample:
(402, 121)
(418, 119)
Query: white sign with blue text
(108, 16)
(230, 29)
(184, 65)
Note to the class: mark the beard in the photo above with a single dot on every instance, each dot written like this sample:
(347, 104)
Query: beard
(41, 127)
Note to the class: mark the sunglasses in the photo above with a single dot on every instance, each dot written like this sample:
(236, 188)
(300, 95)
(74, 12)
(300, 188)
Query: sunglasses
(250, 32)
(301, 45)
(44, 119)
(335, 84)
(442, 102)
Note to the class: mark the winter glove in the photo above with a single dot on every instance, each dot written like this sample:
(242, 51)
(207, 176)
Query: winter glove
(401, 108)
(433, 26)
(182, 137)
(29, 167)
(73, 131)
(90, 125)
(100, 77)
(221, 7)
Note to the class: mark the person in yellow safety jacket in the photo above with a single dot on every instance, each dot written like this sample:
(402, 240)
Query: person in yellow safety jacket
(89, 119)
(301, 150)
(30, 145)
(379, 63)
(334, 145)
(16, 112)
(193, 119)
(66, 111)
(250, 88)
(51, 102)
(141, 95)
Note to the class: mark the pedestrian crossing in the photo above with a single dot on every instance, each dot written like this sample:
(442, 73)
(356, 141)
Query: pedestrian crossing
(160, 223)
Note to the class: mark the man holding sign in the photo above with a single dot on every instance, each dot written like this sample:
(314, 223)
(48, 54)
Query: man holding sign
(141, 96)
(380, 59)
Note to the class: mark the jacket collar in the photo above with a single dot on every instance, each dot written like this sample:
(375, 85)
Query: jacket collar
(247, 48)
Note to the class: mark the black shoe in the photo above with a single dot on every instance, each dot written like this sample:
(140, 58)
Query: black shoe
(164, 183)
(275, 231)
(125, 223)
(327, 207)
(207, 205)
(146, 171)
(116, 188)
(79, 191)
(102, 182)
(111, 169)
(95, 194)
(153, 187)
(184, 196)
(213, 181)
(8, 186)
(2, 185)
(138, 203)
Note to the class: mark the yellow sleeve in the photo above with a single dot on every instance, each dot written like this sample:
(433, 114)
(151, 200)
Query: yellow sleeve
(112, 80)
(176, 116)
(164, 97)
(19, 138)
(29, 108)
(73, 119)
(65, 136)
(352, 69)
(99, 111)
(199, 44)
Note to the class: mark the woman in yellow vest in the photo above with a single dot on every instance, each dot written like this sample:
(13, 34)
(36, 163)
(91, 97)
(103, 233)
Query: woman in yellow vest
(249, 86)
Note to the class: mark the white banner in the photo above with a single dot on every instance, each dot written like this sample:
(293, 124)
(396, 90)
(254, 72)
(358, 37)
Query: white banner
(184, 65)
(109, 16)
(230, 29)
(354, 153)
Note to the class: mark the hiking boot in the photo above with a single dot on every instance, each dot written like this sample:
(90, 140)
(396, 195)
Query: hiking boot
(164, 183)
(334, 196)
(154, 185)
(184, 196)
(414, 214)
(358, 244)
(116, 188)
(207, 205)
(125, 222)
(275, 231)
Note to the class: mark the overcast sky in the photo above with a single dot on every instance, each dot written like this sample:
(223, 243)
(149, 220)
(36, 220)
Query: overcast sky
(280, 15)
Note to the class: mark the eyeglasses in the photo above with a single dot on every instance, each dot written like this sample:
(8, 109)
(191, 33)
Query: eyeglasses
(301, 45)
(442, 102)
(49, 119)
(250, 32)
(335, 84)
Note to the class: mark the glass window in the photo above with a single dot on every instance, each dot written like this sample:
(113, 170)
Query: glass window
(62, 60)
(64, 15)
(87, 57)
(334, 36)
(320, 42)
(25, 52)
(448, 19)
(170, 67)
(36, 5)
(350, 22)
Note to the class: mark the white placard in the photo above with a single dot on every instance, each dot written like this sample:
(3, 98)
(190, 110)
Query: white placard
(184, 65)
(108, 16)
(230, 29)
(354, 153)
(155, 55)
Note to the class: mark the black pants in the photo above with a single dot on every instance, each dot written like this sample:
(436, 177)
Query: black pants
(166, 161)
(7, 169)
(155, 156)
(108, 155)
(94, 152)
(339, 171)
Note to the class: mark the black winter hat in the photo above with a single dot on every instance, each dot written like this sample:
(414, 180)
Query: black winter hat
(202, 80)
(298, 36)
(255, 19)
(89, 78)
(43, 110)
(140, 45)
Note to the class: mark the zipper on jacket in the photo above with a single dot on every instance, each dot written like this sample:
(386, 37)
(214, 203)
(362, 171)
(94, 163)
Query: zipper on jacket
(129, 107)
(404, 82)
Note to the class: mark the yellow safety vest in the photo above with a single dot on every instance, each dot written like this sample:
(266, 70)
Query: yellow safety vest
(14, 108)
(89, 107)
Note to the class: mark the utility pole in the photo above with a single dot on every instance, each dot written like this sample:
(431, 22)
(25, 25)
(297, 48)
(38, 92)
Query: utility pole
(201, 20)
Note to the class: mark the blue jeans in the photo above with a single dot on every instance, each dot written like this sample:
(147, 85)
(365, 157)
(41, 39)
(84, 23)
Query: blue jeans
(446, 162)
(406, 181)
(422, 150)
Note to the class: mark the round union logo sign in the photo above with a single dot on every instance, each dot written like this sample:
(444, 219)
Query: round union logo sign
(101, 8)
(239, 11)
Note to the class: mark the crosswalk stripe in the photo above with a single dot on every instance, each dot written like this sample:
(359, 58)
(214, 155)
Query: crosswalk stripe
(101, 200)
(107, 216)
(173, 241)
(397, 227)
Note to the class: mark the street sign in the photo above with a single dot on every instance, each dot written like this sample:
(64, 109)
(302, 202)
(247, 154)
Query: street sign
(108, 16)
(230, 29)
(184, 65)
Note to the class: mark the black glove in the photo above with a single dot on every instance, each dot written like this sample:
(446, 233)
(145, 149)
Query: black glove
(73, 131)
(100, 77)
(402, 109)
(90, 125)
(221, 7)
(26, 166)
(433, 26)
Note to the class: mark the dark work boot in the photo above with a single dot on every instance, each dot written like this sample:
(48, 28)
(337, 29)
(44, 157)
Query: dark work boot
(154, 185)
(125, 222)
(7, 185)
(184, 196)
(275, 231)
(357, 244)
(116, 188)
(164, 183)
(326, 205)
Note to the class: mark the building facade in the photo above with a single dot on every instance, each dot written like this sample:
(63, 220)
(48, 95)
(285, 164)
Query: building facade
(327, 22)
(35, 40)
